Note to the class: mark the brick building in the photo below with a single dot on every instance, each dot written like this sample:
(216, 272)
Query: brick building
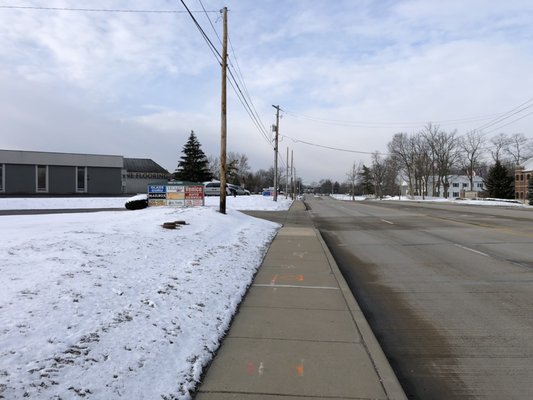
(523, 174)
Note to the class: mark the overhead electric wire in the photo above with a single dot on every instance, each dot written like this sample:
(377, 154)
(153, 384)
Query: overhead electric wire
(101, 10)
(380, 125)
(509, 123)
(516, 110)
(245, 99)
(233, 81)
(331, 147)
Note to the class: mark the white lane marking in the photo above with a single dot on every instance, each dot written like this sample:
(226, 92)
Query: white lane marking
(472, 250)
(388, 222)
(296, 286)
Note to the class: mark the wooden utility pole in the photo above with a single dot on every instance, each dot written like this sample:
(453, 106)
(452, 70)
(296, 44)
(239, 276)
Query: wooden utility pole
(287, 176)
(276, 155)
(223, 124)
(292, 174)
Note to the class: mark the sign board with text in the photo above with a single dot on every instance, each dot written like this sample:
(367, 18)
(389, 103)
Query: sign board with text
(176, 194)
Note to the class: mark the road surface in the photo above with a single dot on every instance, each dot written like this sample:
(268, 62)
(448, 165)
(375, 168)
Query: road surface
(448, 291)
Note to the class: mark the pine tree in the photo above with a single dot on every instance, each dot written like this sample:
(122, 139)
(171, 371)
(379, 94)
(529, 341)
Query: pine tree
(498, 183)
(367, 180)
(530, 191)
(193, 165)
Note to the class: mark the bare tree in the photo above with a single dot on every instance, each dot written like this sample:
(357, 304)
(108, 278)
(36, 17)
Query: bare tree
(499, 144)
(214, 166)
(444, 152)
(472, 148)
(353, 176)
(519, 148)
(401, 149)
(378, 172)
(237, 168)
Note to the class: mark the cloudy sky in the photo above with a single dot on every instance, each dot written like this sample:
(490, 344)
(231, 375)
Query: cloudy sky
(347, 74)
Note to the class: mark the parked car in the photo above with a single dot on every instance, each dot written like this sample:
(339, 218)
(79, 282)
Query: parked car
(238, 190)
(212, 188)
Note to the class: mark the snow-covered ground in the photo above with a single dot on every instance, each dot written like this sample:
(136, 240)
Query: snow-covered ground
(254, 202)
(480, 202)
(110, 305)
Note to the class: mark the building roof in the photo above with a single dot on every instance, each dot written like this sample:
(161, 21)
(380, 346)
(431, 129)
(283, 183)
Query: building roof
(143, 165)
(528, 165)
(62, 159)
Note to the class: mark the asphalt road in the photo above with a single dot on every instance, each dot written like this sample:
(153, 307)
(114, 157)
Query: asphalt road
(448, 291)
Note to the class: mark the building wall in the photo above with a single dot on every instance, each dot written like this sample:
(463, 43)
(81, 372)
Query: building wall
(61, 180)
(19, 179)
(104, 180)
(103, 173)
(522, 179)
(136, 185)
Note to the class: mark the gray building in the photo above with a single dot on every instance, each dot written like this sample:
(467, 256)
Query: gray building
(141, 172)
(45, 173)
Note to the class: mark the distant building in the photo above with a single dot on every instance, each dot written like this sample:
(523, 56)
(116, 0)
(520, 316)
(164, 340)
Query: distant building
(523, 174)
(459, 186)
(141, 172)
(47, 173)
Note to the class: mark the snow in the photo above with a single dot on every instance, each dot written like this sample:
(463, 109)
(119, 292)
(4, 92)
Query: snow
(110, 305)
(253, 202)
(428, 199)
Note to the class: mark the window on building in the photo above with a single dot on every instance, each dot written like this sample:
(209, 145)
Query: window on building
(528, 177)
(42, 178)
(465, 185)
(456, 184)
(81, 179)
(2, 168)
(521, 177)
(455, 194)
(480, 185)
(517, 177)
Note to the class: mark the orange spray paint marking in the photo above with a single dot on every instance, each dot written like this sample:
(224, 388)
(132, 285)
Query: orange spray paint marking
(274, 279)
(300, 369)
(289, 278)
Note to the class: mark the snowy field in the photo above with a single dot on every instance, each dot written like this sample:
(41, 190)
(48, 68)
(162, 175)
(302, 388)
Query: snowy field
(110, 305)
(254, 202)
(480, 202)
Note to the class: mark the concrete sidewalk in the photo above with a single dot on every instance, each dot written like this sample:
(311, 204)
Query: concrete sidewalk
(299, 332)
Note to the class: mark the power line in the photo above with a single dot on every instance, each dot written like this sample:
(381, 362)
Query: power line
(244, 97)
(378, 125)
(516, 110)
(101, 10)
(330, 147)
(250, 109)
(509, 123)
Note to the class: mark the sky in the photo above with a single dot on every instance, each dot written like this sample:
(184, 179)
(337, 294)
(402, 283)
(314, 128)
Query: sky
(346, 74)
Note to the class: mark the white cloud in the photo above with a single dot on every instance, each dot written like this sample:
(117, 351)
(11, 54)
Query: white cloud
(136, 84)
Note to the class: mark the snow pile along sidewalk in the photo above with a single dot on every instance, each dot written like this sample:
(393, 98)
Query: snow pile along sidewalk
(110, 305)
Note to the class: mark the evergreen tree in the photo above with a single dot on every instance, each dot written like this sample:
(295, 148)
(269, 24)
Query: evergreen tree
(193, 165)
(530, 191)
(367, 181)
(498, 183)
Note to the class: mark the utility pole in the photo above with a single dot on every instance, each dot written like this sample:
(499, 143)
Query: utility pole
(276, 155)
(223, 137)
(287, 176)
(292, 174)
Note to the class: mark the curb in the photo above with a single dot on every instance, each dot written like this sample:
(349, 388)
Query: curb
(389, 381)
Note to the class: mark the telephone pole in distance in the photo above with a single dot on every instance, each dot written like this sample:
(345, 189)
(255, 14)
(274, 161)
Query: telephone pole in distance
(276, 154)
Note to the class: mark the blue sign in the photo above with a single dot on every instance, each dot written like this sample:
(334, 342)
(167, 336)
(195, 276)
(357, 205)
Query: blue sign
(157, 189)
